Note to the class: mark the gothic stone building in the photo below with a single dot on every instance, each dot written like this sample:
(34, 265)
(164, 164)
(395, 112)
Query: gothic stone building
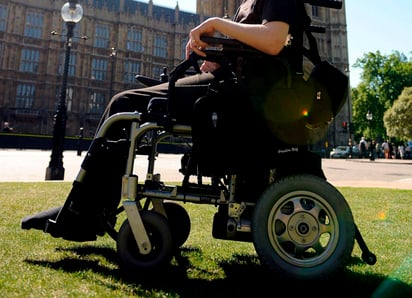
(124, 38)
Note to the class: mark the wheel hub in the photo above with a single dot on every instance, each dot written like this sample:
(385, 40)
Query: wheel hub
(303, 228)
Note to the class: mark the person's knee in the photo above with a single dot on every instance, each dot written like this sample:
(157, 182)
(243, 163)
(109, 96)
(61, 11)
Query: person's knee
(118, 104)
(128, 103)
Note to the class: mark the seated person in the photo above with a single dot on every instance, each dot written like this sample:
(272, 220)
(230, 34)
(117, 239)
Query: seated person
(266, 25)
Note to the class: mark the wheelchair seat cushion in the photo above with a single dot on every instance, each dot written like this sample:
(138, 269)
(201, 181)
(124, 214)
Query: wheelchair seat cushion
(181, 110)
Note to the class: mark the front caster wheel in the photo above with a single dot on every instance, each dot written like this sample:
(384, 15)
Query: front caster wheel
(302, 228)
(160, 236)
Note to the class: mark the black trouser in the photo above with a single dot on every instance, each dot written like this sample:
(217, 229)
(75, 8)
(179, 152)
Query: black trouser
(92, 201)
(105, 163)
(187, 91)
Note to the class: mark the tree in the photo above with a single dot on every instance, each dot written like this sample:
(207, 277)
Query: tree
(398, 119)
(382, 80)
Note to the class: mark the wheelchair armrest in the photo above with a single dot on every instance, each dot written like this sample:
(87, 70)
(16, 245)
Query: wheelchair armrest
(219, 46)
(147, 81)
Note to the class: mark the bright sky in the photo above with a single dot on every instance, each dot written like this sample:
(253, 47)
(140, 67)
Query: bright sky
(372, 25)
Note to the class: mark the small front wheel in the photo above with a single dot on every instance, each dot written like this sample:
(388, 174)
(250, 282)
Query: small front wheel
(160, 236)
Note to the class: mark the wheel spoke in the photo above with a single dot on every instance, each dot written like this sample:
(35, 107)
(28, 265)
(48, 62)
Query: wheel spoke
(326, 228)
(299, 252)
(318, 248)
(283, 238)
(323, 218)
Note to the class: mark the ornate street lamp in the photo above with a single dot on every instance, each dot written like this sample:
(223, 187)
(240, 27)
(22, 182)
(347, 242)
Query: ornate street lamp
(372, 144)
(113, 54)
(369, 117)
(71, 13)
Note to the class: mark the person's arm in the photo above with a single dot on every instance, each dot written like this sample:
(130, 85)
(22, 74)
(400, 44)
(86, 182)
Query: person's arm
(269, 38)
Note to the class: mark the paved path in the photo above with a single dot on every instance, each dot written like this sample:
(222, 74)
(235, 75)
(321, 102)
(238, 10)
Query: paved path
(380, 173)
(30, 165)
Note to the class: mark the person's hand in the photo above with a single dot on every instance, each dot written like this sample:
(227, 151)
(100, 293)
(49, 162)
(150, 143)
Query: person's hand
(208, 66)
(194, 43)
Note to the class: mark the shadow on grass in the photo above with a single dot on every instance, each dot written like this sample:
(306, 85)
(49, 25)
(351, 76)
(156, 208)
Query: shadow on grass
(244, 277)
(82, 260)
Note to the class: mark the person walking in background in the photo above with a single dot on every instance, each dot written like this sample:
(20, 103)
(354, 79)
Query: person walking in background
(393, 151)
(372, 150)
(363, 148)
(350, 148)
(386, 149)
(401, 149)
(378, 150)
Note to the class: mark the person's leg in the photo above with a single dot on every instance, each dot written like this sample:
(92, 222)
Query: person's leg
(187, 89)
(97, 193)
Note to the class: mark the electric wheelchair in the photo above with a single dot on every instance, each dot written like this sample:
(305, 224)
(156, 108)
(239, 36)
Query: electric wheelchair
(272, 192)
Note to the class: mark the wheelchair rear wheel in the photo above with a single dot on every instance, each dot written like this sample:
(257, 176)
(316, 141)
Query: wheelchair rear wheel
(303, 228)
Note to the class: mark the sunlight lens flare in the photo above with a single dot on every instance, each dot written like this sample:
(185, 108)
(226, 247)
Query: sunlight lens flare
(382, 215)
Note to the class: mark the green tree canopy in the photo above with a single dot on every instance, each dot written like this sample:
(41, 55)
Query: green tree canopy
(398, 119)
(382, 80)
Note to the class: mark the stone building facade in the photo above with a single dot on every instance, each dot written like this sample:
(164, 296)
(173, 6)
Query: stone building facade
(124, 38)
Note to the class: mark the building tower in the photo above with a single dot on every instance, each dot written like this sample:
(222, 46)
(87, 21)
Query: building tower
(217, 8)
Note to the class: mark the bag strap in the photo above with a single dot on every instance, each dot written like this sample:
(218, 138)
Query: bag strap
(313, 52)
(303, 27)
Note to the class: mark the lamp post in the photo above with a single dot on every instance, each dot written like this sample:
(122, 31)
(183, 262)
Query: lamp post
(349, 105)
(369, 117)
(71, 13)
(113, 54)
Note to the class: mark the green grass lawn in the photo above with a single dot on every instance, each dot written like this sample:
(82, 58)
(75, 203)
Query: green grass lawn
(34, 264)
